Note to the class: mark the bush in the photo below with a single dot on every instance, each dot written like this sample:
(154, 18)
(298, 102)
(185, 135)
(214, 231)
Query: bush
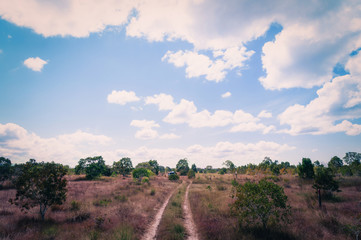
(173, 177)
(152, 192)
(264, 202)
(139, 173)
(102, 203)
(191, 174)
(145, 180)
(121, 198)
(75, 205)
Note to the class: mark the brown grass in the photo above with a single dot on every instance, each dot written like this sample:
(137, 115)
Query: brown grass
(109, 208)
(210, 199)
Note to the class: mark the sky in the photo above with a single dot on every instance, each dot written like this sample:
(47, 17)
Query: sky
(204, 80)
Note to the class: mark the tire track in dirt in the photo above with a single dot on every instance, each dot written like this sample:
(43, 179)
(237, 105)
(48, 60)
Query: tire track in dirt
(150, 234)
(188, 218)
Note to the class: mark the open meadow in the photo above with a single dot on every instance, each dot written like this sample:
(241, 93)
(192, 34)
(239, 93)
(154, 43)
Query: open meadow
(119, 208)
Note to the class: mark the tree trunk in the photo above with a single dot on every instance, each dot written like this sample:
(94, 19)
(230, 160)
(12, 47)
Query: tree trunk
(319, 198)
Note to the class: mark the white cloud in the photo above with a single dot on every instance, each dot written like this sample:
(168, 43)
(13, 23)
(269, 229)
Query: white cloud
(226, 95)
(35, 64)
(302, 55)
(264, 114)
(164, 101)
(186, 112)
(143, 124)
(214, 70)
(9, 36)
(20, 145)
(334, 108)
(146, 131)
(169, 136)
(122, 97)
(66, 18)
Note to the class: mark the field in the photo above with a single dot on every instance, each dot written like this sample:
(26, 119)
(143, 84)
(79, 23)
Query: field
(119, 208)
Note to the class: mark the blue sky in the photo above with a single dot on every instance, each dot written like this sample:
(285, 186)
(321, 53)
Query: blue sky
(202, 80)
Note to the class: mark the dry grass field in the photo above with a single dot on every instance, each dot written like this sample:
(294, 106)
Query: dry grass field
(118, 208)
(110, 208)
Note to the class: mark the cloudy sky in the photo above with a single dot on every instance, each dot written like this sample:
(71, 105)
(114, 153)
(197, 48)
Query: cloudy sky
(159, 79)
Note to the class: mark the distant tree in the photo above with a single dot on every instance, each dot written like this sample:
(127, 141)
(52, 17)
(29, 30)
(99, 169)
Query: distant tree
(124, 166)
(352, 158)
(324, 180)
(154, 166)
(40, 184)
(194, 168)
(335, 164)
(260, 203)
(318, 164)
(80, 168)
(161, 169)
(182, 167)
(173, 177)
(222, 171)
(93, 167)
(231, 167)
(6, 170)
(346, 170)
(305, 169)
(145, 165)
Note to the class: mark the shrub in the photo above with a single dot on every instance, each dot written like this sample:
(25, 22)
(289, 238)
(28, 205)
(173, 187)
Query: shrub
(75, 205)
(139, 173)
(191, 174)
(102, 203)
(264, 202)
(152, 192)
(173, 177)
(121, 198)
(145, 180)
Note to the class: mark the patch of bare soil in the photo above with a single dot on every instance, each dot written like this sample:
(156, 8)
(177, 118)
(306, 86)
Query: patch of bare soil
(188, 218)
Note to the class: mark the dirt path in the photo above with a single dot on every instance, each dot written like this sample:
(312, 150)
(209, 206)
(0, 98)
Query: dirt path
(188, 221)
(150, 234)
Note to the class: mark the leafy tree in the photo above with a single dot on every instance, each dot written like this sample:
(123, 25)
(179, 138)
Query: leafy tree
(124, 166)
(222, 171)
(346, 170)
(335, 164)
(155, 166)
(352, 158)
(80, 168)
(145, 165)
(194, 168)
(318, 164)
(324, 181)
(161, 169)
(40, 184)
(5, 169)
(305, 169)
(95, 167)
(182, 167)
(260, 203)
(191, 174)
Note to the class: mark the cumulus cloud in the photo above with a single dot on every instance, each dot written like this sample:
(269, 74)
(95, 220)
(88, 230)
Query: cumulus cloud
(336, 105)
(214, 70)
(35, 64)
(264, 114)
(226, 95)
(19, 144)
(302, 55)
(66, 18)
(186, 112)
(122, 97)
(164, 101)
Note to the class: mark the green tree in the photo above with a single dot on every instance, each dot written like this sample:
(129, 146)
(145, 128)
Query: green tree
(80, 168)
(335, 164)
(124, 166)
(352, 158)
(5, 170)
(194, 168)
(260, 203)
(305, 169)
(154, 166)
(324, 180)
(182, 167)
(95, 167)
(40, 184)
